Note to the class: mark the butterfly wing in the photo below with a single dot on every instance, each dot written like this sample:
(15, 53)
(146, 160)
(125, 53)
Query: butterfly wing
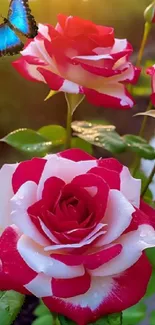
(21, 19)
(9, 42)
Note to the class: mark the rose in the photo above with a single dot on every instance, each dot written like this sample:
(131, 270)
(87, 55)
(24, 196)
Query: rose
(151, 71)
(73, 233)
(78, 56)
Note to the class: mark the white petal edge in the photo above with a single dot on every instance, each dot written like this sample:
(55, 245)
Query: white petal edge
(99, 291)
(40, 286)
(97, 232)
(133, 243)
(93, 57)
(41, 262)
(6, 173)
(64, 169)
(118, 216)
(70, 87)
(25, 197)
(119, 45)
(130, 187)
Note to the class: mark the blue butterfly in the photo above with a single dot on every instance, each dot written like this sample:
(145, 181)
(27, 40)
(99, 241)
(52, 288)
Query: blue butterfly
(20, 20)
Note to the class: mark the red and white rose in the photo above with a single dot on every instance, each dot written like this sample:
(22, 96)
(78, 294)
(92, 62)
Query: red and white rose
(73, 233)
(78, 56)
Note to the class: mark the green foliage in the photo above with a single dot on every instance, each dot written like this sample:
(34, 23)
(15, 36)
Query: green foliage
(150, 252)
(36, 143)
(106, 137)
(111, 141)
(44, 320)
(134, 314)
(28, 141)
(140, 146)
(55, 133)
(82, 144)
(10, 305)
(103, 136)
(151, 286)
(152, 318)
(41, 310)
(44, 316)
(52, 138)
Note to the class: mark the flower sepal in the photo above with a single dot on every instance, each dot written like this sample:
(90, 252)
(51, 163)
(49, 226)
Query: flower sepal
(149, 13)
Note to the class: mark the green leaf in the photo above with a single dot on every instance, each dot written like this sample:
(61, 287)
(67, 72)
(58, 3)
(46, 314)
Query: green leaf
(111, 141)
(148, 113)
(152, 318)
(113, 319)
(151, 286)
(41, 310)
(148, 200)
(82, 144)
(99, 135)
(140, 146)
(44, 320)
(65, 321)
(150, 252)
(55, 133)
(91, 127)
(73, 101)
(134, 314)
(28, 141)
(10, 305)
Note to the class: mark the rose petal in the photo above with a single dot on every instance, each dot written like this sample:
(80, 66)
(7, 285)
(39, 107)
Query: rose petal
(40, 261)
(6, 173)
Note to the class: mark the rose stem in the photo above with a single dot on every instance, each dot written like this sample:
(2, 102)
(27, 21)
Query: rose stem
(68, 126)
(147, 29)
(149, 181)
(141, 134)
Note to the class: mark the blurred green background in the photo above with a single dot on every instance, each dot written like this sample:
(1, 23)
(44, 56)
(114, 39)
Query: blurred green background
(22, 102)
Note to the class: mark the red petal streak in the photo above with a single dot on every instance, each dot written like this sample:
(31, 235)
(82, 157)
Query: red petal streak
(76, 155)
(52, 191)
(20, 66)
(111, 164)
(95, 260)
(90, 261)
(53, 80)
(13, 265)
(99, 199)
(129, 288)
(111, 177)
(65, 288)
(99, 99)
(138, 218)
(30, 170)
